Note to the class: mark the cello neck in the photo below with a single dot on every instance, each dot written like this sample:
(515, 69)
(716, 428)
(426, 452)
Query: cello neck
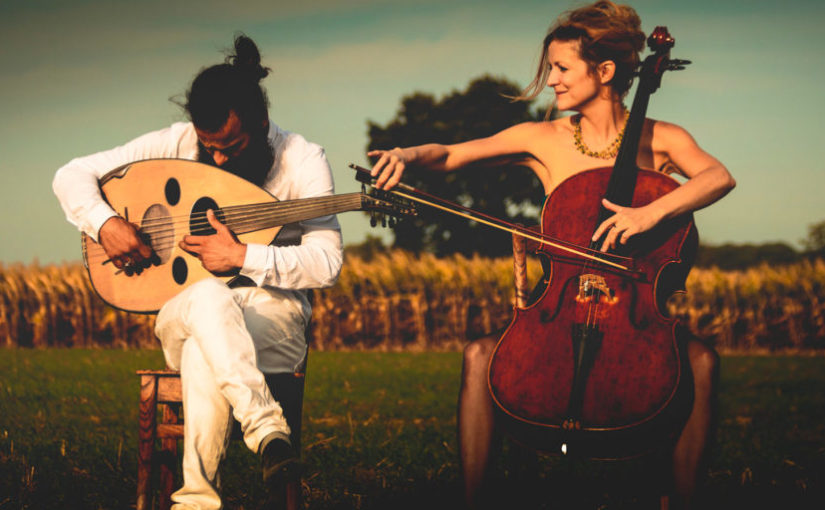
(622, 182)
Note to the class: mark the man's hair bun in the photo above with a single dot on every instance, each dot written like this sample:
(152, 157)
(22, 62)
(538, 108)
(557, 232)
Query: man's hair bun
(247, 58)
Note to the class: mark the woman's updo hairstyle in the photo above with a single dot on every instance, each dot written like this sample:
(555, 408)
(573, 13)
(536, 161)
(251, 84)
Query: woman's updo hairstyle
(605, 31)
(233, 85)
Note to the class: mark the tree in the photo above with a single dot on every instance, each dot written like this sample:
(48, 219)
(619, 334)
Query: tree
(815, 242)
(506, 191)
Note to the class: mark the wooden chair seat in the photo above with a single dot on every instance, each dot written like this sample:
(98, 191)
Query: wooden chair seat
(161, 419)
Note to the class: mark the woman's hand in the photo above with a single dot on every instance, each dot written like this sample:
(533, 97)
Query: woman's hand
(625, 223)
(389, 168)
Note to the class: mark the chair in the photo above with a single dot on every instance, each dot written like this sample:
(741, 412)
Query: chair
(161, 418)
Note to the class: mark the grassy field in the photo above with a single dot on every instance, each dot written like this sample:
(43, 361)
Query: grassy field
(380, 433)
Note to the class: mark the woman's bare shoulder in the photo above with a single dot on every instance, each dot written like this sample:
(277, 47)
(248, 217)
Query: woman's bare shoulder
(540, 130)
(667, 133)
(556, 125)
(561, 125)
(672, 148)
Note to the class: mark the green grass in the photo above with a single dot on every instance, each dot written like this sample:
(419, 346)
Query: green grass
(379, 432)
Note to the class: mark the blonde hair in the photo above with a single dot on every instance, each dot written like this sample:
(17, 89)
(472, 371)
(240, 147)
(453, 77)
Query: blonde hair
(605, 31)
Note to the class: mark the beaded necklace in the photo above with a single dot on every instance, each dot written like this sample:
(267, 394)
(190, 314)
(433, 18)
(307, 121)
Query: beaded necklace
(607, 153)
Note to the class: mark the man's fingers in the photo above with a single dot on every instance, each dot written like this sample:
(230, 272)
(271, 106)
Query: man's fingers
(144, 251)
(214, 221)
(191, 244)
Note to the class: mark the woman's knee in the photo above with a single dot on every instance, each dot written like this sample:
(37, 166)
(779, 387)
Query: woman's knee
(477, 354)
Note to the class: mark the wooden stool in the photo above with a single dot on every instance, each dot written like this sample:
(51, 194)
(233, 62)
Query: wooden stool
(162, 389)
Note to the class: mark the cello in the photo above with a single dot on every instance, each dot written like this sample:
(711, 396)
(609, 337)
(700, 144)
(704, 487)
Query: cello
(593, 367)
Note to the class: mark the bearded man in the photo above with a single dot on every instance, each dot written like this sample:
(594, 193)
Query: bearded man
(224, 338)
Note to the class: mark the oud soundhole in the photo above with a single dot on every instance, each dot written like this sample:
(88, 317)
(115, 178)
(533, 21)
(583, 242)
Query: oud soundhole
(158, 232)
(180, 271)
(198, 224)
(172, 191)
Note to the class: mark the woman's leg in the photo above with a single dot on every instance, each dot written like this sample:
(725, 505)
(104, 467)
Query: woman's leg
(475, 419)
(689, 455)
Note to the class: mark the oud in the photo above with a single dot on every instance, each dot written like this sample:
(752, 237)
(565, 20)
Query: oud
(168, 199)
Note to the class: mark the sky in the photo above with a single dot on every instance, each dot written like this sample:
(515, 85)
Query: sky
(77, 77)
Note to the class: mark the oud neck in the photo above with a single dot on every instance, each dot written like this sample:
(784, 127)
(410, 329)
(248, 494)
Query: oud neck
(250, 218)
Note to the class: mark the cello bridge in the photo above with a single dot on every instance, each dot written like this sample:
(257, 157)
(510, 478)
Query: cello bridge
(594, 286)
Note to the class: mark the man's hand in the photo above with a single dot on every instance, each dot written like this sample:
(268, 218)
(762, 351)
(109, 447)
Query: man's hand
(122, 243)
(219, 253)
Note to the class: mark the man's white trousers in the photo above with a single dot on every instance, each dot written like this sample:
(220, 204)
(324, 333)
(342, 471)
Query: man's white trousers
(223, 341)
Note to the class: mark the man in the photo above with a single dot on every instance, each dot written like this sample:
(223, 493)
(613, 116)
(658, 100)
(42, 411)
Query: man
(224, 339)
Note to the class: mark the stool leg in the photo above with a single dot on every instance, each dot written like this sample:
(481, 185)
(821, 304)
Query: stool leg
(169, 448)
(146, 439)
(294, 496)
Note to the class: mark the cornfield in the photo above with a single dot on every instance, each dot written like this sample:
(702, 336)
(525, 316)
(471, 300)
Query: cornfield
(397, 301)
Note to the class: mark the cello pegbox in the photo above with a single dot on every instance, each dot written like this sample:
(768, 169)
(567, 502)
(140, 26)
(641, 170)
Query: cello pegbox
(660, 40)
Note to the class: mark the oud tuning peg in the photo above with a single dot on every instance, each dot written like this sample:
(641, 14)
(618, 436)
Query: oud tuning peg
(677, 64)
(392, 222)
(373, 219)
(383, 220)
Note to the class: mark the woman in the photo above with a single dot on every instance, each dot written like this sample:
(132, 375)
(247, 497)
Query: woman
(588, 59)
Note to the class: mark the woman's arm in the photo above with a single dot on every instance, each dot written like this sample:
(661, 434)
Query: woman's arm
(708, 181)
(392, 163)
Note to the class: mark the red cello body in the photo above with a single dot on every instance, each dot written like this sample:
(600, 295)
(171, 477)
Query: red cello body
(594, 366)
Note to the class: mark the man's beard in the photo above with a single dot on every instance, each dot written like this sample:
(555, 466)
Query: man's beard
(253, 164)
